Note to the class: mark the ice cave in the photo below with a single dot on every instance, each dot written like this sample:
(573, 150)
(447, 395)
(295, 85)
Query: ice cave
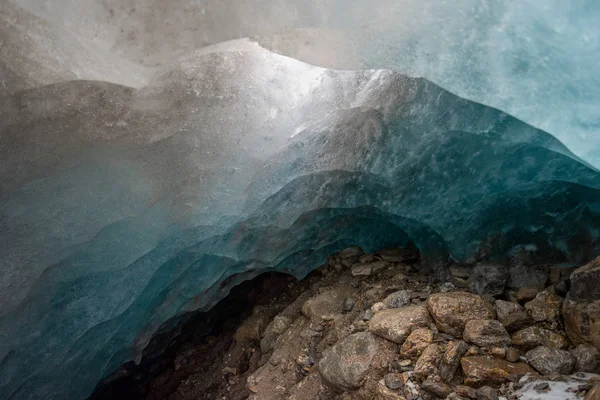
(155, 154)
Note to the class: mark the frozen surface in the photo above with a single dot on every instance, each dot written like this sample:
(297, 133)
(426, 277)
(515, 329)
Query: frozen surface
(138, 171)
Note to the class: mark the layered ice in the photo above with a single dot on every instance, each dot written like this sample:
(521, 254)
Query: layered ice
(135, 190)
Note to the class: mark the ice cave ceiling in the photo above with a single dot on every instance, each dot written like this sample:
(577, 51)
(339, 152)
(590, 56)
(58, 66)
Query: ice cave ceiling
(151, 149)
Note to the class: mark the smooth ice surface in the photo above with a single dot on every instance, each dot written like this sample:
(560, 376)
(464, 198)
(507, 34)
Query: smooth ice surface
(139, 171)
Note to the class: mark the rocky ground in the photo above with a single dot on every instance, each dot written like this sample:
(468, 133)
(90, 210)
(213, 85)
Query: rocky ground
(382, 326)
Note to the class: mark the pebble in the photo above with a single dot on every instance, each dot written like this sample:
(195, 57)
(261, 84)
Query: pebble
(368, 314)
(393, 381)
(541, 386)
(349, 303)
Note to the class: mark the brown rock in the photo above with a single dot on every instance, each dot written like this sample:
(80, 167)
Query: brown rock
(396, 324)
(534, 336)
(440, 389)
(594, 393)
(512, 354)
(483, 370)
(416, 342)
(526, 294)
(453, 310)
(466, 391)
(327, 304)
(545, 307)
(487, 393)
(486, 333)
(451, 359)
(345, 365)
(517, 321)
(499, 352)
(428, 362)
(251, 330)
(369, 268)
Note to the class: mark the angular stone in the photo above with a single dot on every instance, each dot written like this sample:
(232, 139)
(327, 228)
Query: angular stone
(398, 299)
(526, 294)
(275, 328)
(545, 307)
(486, 333)
(529, 276)
(485, 370)
(487, 393)
(512, 354)
(345, 365)
(396, 324)
(545, 360)
(488, 279)
(505, 308)
(369, 268)
(517, 321)
(400, 255)
(534, 336)
(499, 352)
(348, 304)
(460, 272)
(466, 391)
(428, 363)
(452, 311)
(251, 330)
(582, 321)
(585, 282)
(350, 256)
(393, 381)
(587, 358)
(451, 359)
(327, 304)
(416, 342)
(440, 389)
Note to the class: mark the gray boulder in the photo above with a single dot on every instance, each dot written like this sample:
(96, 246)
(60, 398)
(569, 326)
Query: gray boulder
(587, 358)
(546, 360)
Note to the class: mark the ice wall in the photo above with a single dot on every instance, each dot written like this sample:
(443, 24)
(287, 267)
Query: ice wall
(132, 185)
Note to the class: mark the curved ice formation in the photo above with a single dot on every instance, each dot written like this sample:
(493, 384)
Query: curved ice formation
(133, 190)
(123, 208)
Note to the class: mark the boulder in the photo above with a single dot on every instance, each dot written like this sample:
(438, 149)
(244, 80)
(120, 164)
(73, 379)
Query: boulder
(486, 333)
(581, 308)
(512, 315)
(546, 359)
(545, 307)
(526, 294)
(485, 370)
(369, 268)
(398, 299)
(406, 255)
(326, 305)
(451, 311)
(397, 323)
(488, 279)
(587, 358)
(416, 342)
(439, 388)
(428, 363)
(527, 276)
(345, 365)
(451, 359)
(529, 338)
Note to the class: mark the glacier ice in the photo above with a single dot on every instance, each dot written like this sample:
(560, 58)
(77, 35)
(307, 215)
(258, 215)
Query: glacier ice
(131, 193)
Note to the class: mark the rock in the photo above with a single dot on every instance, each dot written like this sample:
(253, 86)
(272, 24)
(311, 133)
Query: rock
(488, 279)
(368, 314)
(451, 311)
(517, 321)
(545, 307)
(587, 358)
(546, 359)
(345, 365)
(485, 370)
(561, 288)
(505, 308)
(275, 328)
(499, 352)
(526, 294)
(487, 393)
(251, 330)
(466, 391)
(512, 354)
(534, 336)
(460, 272)
(348, 304)
(486, 333)
(541, 386)
(327, 304)
(400, 255)
(428, 362)
(369, 268)
(396, 324)
(416, 342)
(451, 359)
(398, 299)
(529, 276)
(393, 381)
(350, 256)
(440, 389)
(594, 393)
(378, 306)
(581, 308)
(383, 393)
